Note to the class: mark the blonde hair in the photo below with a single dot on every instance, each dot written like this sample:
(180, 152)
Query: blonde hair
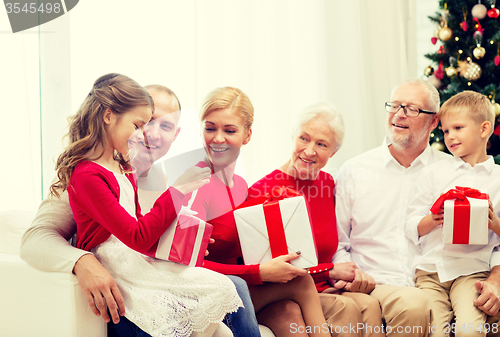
(228, 98)
(327, 113)
(116, 92)
(476, 105)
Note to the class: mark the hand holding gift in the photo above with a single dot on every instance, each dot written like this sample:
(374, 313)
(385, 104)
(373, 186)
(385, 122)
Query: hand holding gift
(276, 224)
(431, 221)
(279, 269)
(465, 216)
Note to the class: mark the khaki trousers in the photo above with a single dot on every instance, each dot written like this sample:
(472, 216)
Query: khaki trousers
(455, 299)
(406, 310)
(351, 314)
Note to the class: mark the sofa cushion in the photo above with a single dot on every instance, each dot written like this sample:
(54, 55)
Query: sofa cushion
(41, 304)
(13, 224)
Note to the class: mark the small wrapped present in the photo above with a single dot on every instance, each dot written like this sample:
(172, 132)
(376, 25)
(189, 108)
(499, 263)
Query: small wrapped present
(465, 216)
(185, 241)
(275, 224)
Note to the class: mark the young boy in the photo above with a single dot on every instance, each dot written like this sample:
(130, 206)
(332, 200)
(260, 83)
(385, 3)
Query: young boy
(451, 274)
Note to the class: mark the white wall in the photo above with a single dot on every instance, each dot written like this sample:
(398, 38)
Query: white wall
(20, 176)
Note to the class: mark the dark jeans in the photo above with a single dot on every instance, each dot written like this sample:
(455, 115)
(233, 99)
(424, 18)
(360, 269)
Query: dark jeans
(125, 328)
(242, 323)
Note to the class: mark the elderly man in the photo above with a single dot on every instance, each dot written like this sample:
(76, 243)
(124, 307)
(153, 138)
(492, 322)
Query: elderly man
(373, 192)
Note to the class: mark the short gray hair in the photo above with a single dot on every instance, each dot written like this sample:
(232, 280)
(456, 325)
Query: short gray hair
(326, 112)
(433, 101)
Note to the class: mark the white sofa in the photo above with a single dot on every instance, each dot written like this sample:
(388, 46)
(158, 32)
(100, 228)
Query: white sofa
(37, 303)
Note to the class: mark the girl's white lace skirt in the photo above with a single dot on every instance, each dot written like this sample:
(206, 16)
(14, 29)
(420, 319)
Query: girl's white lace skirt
(166, 298)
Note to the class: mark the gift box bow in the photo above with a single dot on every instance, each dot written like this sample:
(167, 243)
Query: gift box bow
(458, 193)
(461, 211)
(275, 224)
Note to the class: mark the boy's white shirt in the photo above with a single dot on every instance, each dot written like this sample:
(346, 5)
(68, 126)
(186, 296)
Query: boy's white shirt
(432, 255)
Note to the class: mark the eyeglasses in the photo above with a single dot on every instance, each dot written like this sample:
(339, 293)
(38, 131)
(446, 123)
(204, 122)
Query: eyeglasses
(409, 111)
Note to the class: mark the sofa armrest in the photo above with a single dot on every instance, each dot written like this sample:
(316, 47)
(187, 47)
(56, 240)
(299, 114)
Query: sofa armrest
(36, 303)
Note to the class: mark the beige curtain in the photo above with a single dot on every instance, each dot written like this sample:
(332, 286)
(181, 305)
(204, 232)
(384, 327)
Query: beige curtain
(285, 54)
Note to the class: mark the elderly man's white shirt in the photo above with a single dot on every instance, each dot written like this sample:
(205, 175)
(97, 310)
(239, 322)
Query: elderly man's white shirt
(448, 260)
(372, 197)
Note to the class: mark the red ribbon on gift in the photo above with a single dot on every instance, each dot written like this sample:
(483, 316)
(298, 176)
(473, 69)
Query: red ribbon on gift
(272, 214)
(183, 244)
(461, 210)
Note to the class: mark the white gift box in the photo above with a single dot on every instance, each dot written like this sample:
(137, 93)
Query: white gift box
(462, 230)
(254, 236)
(186, 240)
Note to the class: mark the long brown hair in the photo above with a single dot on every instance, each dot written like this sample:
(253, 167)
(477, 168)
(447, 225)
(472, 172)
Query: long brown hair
(116, 92)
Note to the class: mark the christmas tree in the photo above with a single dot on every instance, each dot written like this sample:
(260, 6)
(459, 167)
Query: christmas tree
(467, 37)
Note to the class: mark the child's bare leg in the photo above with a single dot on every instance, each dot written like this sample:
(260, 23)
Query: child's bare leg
(214, 330)
(301, 290)
(284, 318)
(209, 331)
(222, 331)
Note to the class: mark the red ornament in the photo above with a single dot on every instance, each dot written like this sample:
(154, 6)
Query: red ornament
(497, 130)
(434, 40)
(464, 25)
(439, 73)
(479, 29)
(497, 60)
(441, 50)
(493, 13)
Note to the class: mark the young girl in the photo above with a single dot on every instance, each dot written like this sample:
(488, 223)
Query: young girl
(162, 298)
(227, 117)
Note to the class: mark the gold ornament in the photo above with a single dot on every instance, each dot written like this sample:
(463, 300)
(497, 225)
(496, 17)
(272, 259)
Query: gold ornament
(469, 70)
(428, 71)
(479, 52)
(445, 33)
(438, 146)
(462, 67)
(450, 71)
(473, 72)
(497, 109)
(479, 11)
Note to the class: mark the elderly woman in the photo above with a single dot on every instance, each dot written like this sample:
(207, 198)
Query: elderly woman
(317, 138)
